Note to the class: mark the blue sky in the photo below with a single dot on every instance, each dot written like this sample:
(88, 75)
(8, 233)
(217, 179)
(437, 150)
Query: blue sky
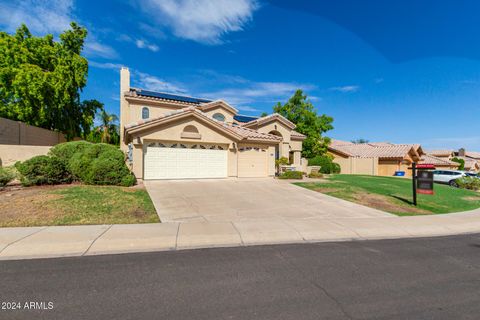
(398, 71)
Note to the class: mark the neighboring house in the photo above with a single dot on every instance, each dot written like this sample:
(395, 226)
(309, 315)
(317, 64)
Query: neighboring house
(169, 136)
(376, 158)
(439, 163)
(472, 159)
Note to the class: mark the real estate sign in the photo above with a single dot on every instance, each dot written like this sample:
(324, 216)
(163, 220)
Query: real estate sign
(425, 182)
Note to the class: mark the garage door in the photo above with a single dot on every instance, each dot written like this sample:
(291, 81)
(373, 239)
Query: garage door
(182, 161)
(252, 162)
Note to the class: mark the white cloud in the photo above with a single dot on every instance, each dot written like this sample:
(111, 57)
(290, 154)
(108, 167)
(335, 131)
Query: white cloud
(345, 89)
(204, 21)
(251, 92)
(94, 48)
(149, 82)
(105, 65)
(144, 44)
(41, 17)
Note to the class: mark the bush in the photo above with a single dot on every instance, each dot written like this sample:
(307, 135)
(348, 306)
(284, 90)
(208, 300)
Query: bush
(101, 164)
(65, 151)
(315, 175)
(291, 175)
(43, 170)
(470, 183)
(6, 175)
(326, 164)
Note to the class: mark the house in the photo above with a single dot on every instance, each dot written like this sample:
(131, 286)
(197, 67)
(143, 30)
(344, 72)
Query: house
(439, 162)
(169, 136)
(472, 159)
(376, 158)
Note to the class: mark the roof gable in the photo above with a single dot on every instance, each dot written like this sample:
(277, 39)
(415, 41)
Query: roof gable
(270, 118)
(218, 104)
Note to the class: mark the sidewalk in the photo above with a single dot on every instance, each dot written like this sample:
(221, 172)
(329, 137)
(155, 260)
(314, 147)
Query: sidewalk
(43, 242)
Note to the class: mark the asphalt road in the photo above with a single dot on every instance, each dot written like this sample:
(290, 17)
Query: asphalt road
(435, 278)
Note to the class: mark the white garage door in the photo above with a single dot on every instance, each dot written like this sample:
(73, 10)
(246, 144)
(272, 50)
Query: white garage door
(182, 161)
(252, 162)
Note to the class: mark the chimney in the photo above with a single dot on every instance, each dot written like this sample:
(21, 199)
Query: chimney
(124, 87)
(461, 152)
(124, 80)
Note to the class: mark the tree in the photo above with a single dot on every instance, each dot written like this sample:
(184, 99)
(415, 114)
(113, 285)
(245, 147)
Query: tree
(41, 80)
(264, 114)
(461, 161)
(359, 141)
(108, 131)
(301, 111)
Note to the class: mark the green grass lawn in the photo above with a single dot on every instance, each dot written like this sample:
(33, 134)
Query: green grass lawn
(395, 194)
(75, 205)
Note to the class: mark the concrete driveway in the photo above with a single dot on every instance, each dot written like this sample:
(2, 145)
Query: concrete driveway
(239, 200)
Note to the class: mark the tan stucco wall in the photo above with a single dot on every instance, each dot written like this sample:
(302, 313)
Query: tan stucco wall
(351, 165)
(227, 114)
(10, 154)
(19, 133)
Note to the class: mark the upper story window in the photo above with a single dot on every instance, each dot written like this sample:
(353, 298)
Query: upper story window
(219, 117)
(145, 113)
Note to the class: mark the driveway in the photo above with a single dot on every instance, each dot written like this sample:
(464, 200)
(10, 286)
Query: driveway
(237, 200)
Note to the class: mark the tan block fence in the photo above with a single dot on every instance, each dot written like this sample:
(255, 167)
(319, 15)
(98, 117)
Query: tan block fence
(20, 141)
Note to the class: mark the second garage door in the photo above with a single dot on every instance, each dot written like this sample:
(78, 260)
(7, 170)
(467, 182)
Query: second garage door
(180, 161)
(252, 162)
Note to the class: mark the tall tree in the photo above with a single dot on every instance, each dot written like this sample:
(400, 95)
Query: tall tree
(301, 111)
(41, 80)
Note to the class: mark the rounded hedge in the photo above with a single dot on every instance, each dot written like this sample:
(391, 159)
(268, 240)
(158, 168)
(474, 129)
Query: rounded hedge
(90, 163)
(43, 170)
(6, 175)
(101, 164)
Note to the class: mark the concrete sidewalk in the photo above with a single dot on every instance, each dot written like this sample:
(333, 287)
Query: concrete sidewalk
(41, 242)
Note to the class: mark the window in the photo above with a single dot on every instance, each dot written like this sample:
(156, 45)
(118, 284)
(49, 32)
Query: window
(145, 113)
(219, 117)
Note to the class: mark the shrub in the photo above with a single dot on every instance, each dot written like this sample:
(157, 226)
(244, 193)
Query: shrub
(326, 164)
(43, 170)
(461, 162)
(315, 175)
(6, 175)
(102, 164)
(65, 151)
(470, 183)
(291, 175)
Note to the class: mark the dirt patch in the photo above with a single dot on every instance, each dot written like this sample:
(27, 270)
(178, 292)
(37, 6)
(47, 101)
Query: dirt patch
(28, 206)
(383, 203)
(471, 198)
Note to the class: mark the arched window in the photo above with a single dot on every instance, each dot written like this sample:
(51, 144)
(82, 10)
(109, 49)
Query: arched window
(145, 113)
(219, 117)
(191, 129)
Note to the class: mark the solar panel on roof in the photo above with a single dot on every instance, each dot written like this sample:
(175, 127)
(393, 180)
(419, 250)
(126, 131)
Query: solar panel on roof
(169, 96)
(241, 118)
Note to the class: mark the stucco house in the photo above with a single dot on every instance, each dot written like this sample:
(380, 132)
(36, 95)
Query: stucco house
(471, 158)
(439, 162)
(375, 158)
(169, 136)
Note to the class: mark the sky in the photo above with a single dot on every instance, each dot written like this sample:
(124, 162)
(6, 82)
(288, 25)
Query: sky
(398, 71)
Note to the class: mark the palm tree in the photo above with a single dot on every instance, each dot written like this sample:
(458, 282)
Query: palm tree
(108, 127)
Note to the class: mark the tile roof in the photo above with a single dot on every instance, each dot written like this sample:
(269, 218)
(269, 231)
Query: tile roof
(162, 96)
(245, 133)
(429, 159)
(437, 153)
(251, 134)
(472, 154)
(272, 116)
(335, 142)
(366, 150)
(469, 163)
(296, 134)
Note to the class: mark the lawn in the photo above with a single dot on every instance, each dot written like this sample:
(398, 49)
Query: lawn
(394, 194)
(75, 205)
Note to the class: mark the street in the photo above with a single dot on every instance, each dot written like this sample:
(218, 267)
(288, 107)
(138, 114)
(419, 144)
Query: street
(430, 278)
